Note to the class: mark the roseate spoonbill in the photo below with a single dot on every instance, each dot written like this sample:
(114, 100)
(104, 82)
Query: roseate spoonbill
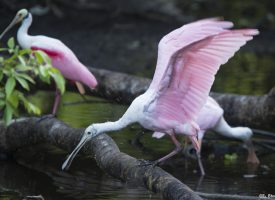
(188, 59)
(211, 117)
(62, 57)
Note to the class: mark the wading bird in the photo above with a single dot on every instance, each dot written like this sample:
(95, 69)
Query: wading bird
(188, 59)
(211, 117)
(62, 57)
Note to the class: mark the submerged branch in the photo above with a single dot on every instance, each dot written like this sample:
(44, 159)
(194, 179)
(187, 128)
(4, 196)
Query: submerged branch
(29, 131)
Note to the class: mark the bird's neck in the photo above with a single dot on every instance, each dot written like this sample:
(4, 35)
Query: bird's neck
(234, 132)
(112, 126)
(22, 35)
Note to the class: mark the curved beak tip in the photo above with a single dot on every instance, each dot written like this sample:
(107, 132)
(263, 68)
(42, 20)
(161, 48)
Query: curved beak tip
(64, 167)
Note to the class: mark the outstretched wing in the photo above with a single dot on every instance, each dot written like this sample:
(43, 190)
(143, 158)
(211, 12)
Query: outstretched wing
(180, 38)
(186, 75)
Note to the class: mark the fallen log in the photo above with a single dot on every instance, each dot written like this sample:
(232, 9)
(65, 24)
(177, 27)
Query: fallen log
(30, 131)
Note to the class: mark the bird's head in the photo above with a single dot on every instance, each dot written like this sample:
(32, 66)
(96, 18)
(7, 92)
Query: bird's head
(20, 16)
(89, 133)
(244, 133)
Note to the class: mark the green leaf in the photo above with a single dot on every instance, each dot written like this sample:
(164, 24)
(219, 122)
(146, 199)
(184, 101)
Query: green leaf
(33, 109)
(1, 75)
(23, 83)
(27, 77)
(43, 71)
(23, 68)
(7, 114)
(10, 85)
(24, 51)
(22, 60)
(42, 57)
(11, 43)
(3, 49)
(10, 59)
(2, 103)
(13, 100)
(2, 95)
(16, 49)
(59, 81)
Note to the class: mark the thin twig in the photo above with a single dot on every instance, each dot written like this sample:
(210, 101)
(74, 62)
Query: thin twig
(263, 133)
(265, 145)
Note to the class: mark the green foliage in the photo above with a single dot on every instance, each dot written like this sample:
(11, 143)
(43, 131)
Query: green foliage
(17, 71)
(230, 158)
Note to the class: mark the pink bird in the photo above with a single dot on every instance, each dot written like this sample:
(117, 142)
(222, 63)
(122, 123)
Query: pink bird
(211, 117)
(188, 59)
(62, 57)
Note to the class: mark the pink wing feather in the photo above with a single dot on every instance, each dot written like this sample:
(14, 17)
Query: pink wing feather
(184, 77)
(180, 38)
(65, 60)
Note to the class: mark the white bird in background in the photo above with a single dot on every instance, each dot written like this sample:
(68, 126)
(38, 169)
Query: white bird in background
(188, 59)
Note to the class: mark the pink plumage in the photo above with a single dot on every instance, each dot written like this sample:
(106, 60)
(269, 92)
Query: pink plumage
(62, 57)
(65, 60)
(207, 118)
(188, 59)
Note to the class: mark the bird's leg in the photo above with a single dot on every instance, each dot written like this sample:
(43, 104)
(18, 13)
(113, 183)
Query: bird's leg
(200, 164)
(171, 154)
(56, 101)
(174, 152)
(198, 153)
(55, 106)
(252, 157)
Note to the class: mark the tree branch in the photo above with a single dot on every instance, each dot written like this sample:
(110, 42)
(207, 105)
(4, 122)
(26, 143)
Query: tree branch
(29, 131)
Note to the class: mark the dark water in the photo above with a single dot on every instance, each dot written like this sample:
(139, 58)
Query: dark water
(86, 181)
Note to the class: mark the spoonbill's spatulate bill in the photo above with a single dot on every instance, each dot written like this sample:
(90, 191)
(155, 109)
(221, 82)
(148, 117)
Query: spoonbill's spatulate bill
(211, 117)
(62, 57)
(188, 59)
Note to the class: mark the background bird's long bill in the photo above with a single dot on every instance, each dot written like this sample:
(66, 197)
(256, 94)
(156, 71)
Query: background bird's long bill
(14, 21)
(69, 160)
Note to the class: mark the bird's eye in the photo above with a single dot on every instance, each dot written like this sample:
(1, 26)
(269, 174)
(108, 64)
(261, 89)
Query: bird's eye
(89, 133)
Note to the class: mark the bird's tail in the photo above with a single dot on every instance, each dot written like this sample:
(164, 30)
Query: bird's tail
(80, 88)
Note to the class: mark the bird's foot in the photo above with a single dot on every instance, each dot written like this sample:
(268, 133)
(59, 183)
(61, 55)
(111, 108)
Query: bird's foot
(145, 163)
(48, 116)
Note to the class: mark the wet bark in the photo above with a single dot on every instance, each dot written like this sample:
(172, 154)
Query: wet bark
(253, 111)
(30, 131)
